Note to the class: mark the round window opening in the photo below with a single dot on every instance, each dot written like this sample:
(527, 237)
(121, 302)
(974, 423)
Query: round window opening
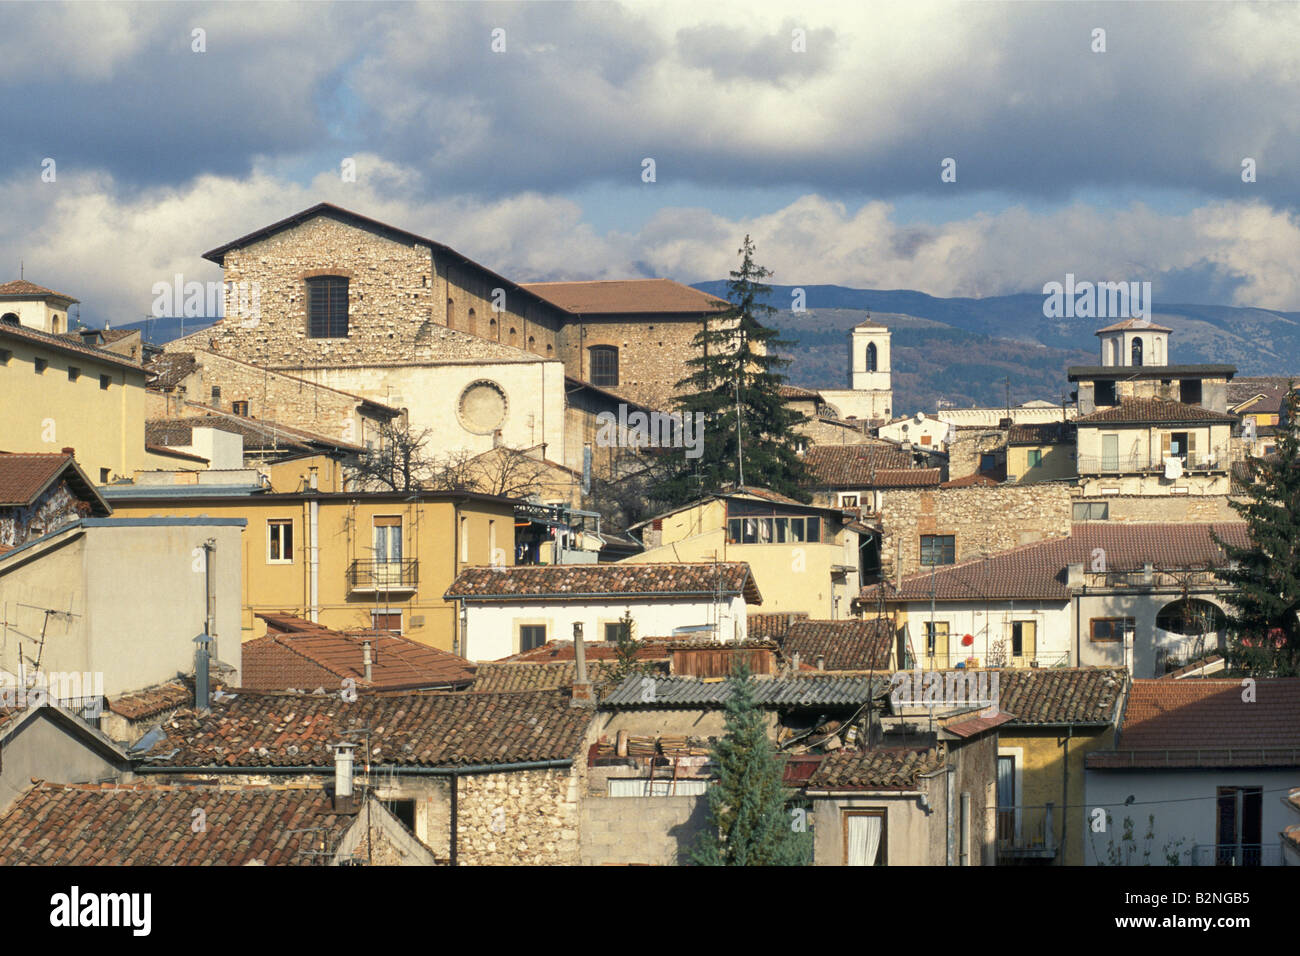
(482, 407)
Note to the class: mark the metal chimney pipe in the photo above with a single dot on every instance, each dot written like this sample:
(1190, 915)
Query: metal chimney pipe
(366, 661)
(202, 695)
(343, 756)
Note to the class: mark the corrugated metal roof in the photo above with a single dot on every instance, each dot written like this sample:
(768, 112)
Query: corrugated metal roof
(639, 691)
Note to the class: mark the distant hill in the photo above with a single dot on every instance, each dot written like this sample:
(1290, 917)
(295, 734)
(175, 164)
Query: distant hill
(160, 331)
(963, 350)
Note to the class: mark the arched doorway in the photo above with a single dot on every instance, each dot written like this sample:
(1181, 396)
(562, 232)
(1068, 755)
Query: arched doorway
(1187, 630)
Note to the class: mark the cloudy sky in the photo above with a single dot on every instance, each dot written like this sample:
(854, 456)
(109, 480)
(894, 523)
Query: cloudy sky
(820, 128)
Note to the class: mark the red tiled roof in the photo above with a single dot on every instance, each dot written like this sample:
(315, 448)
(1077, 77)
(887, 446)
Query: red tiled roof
(1146, 324)
(865, 466)
(981, 479)
(1041, 433)
(147, 825)
(152, 701)
(795, 393)
(498, 677)
(1039, 570)
(844, 645)
(972, 726)
(21, 287)
(258, 434)
(1144, 410)
(297, 654)
(775, 624)
(24, 476)
(1061, 695)
(425, 729)
(1207, 723)
(880, 768)
(66, 346)
(626, 296)
(169, 369)
(651, 649)
(606, 580)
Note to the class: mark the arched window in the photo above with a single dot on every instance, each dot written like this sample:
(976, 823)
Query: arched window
(10, 318)
(471, 324)
(513, 335)
(604, 365)
(871, 356)
(1155, 351)
(492, 328)
(451, 314)
(1137, 352)
(532, 343)
(1114, 352)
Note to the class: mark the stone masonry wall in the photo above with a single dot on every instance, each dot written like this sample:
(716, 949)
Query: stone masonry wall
(1168, 508)
(983, 520)
(529, 817)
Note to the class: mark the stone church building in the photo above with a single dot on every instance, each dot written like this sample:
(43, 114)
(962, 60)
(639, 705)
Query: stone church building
(355, 304)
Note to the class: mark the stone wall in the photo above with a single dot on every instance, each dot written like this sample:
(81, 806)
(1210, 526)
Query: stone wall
(1167, 508)
(647, 830)
(529, 818)
(983, 520)
(969, 444)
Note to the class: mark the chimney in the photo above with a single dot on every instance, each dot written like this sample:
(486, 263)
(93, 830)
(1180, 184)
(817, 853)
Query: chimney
(69, 450)
(821, 662)
(366, 662)
(582, 693)
(344, 801)
(1074, 576)
(202, 696)
(311, 478)
(794, 662)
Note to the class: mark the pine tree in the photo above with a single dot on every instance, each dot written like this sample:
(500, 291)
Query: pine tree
(626, 662)
(749, 822)
(1264, 628)
(736, 370)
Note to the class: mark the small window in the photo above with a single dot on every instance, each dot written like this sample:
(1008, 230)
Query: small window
(74, 373)
(613, 632)
(216, 394)
(279, 541)
(386, 621)
(604, 365)
(1111, 630)
(849, 501)
(1091, 510)
(988, 462)
(1035, 457)
(41, 365)
(105, 381)
(1103, 394)
(404, 810)
(239, 408)
(1189, 391)
(938, 549)
(1136, 353)
(104, 475)
(327, 307)
(531, 635)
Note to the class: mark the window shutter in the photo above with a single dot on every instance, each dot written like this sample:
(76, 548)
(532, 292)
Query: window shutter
(1191, 444)
(1164, 445)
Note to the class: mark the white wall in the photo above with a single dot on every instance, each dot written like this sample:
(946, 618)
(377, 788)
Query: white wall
(1167, 795)
(492, 629)
(990, 623)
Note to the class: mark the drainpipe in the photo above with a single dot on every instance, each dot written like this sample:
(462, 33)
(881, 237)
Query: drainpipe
(949, 822)
(1065, 794)
(965, 829)
(210, 583)
(313, 554)
(455, 818)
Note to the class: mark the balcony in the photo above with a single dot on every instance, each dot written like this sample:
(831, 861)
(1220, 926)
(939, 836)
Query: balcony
(1214, 462)
(368, 577)
(1236, 854)
(1026, 833)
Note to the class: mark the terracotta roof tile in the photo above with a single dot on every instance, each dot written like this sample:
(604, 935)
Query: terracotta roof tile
(866, 466)
(1061, 695)
(66, 346)
(844, 645)
(297, 654)
(24, 288)
(1200, 722)
(1041, 433)
(1144, 410)
(142, 825)
(880, 768)
(426, 729)
(612, 580)
(626, 296)
(1146, 324)
(776, 624)
(152, 701)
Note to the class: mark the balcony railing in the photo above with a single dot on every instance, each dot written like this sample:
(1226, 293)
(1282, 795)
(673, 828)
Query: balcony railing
(383, 575)
(1237, 854)
(1026, 833)
(1141, 463)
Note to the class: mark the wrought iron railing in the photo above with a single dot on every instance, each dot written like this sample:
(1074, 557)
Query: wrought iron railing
(1142, 463)
(383, 575)
(1237, 854)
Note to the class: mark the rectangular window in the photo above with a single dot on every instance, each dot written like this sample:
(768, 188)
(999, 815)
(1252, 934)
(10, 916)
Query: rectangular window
(74, 373)
(1110, 452)
(327, 307)
(1035, 457)
(239, 408)
(1024, 641)
(40, 365)
(104, 474)
(1006, 799)
(1189, 391)
(604, 365)
(1110, 630)
(386, 621)
(531, 635)
(938, 549)
(1091, 510)
(644, 787)
(388, 539)
(849, 501)
(279, 541)
(812, 529)
(1103, 394)
(613, 632)
(1239, 826)
(216, 395)
(864, 838)
(936, 642)
(105, 381)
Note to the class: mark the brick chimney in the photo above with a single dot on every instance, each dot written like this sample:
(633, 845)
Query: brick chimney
(69, 450)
